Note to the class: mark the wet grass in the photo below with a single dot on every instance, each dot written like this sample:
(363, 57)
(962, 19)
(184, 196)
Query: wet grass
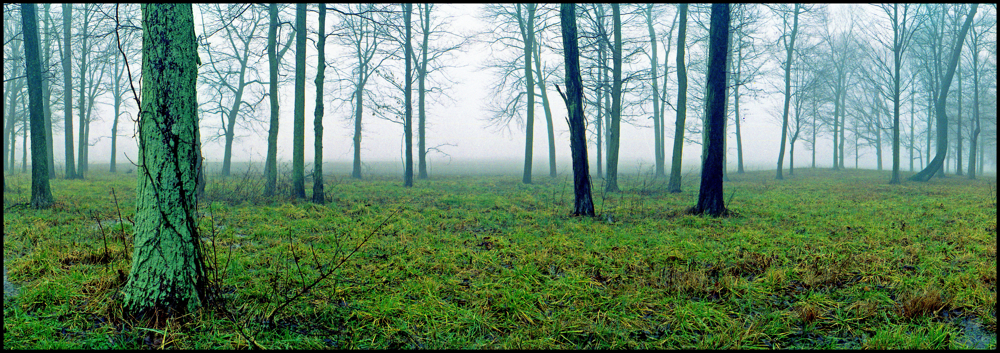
(823, 259)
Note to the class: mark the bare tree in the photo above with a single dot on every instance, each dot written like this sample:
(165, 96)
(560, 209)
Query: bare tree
(230, 73)
(710, 194)
(937, 163)
(583, 203)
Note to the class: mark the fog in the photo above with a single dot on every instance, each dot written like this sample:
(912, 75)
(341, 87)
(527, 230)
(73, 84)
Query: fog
(459, 125)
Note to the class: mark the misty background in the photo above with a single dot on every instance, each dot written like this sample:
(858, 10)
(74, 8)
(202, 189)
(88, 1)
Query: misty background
(458, 114)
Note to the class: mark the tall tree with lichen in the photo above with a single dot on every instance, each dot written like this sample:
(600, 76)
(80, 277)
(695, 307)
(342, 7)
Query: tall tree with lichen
(168, 270)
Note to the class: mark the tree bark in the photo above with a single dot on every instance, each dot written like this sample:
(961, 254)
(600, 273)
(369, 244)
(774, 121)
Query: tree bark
(528, 35)
(408, 122)
(710, 194)
(67, 59)
(319, 196)
(41, 195)
(299, 124)
(168, 271)
(674, 185)
(425, 17)
(271, 162)
(616, 102)
(657, 130)
(583, 204)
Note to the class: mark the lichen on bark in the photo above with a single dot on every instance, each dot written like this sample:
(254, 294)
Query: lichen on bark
(167, 267)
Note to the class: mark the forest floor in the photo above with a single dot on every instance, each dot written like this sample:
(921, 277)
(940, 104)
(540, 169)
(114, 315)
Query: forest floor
(822, 259)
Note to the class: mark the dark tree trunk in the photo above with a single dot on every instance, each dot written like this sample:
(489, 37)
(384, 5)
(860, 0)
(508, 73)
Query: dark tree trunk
(41, 195)
(583, 203)
(710, 194)
(318, 195)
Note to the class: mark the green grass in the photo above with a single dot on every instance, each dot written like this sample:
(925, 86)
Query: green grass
(823, 259)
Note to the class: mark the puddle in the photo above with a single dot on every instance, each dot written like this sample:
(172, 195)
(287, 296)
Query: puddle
(9, 290)
(973, 335)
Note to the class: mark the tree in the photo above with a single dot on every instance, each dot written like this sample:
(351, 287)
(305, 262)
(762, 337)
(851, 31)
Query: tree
(657, 130)
(91, 79)
(528, 34)
(616, 102)
(230, 72)
(120, 84)
(512, 84)
(789, 44)
(583, 204)
(168, 271)
(13, 87)
(273, 58)
(41, 195)
(710, 194)
(363, 35)
(298, 129)
(937, 164)
(982, 26)
(67, 59)
(902, 20)
(318, 195)
(746, 19)
(408, 123)
(674, 185)
(46, 53)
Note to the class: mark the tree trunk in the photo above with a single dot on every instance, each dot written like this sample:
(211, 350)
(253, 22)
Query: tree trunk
(674, 185)
(600, 108)
(614, 136)
(540, 82)
(657, 130)
(958, 131)
(790, 48)
(168, 271)
(528, 35)
(408, 122)
(358, 110)
(46, 53)
(974, 139)
(67, 59)
(319, 196)
(271, 162)
(425, 17)
(41, 195)
(710, 194)
(583, 204)
(936, 164)
(299, 124)
(81, 168)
